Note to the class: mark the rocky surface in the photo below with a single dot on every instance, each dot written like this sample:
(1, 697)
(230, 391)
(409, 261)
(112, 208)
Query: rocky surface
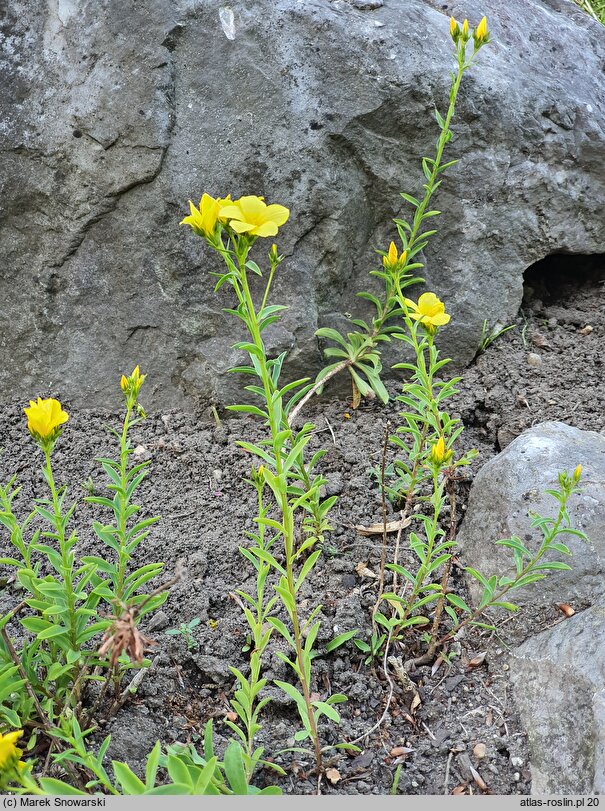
(557, 680)
(114, 115)
(511, 487)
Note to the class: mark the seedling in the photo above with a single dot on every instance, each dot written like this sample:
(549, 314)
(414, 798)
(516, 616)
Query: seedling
(185, 630)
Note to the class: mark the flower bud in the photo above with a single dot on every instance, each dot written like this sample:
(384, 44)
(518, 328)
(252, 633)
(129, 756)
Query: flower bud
(394, 261)
(577, 474)
(481, 34)
(439, 453)
(454, 30)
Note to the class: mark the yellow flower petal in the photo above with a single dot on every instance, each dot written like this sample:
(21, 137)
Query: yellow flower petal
(232, 211)
(253, 208)
(429, 304)
(440, 319)
(242, 227)
(267, 229)
(277, 214)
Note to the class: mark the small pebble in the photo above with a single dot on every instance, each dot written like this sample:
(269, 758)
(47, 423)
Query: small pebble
(516, 777)
(479, 751)
(367, 5)
(516, 761)
(158, 621)
(534, 360)
(218, 474)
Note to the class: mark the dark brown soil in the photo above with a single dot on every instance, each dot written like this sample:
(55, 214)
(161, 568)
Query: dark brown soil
(548, 367)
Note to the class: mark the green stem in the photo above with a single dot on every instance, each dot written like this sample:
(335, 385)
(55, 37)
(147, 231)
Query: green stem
(268, 287)
(526, 569)
(284, 505)
(66, 557)
(123, 554)
(443, 139)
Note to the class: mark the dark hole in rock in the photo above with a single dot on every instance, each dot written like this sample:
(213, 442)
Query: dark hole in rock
(559, 277)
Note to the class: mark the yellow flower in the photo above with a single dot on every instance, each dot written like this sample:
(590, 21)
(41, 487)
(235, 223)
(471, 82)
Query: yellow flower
(577, 473)
(251, 215)
(465, 28)
(481, 31)
(44, 417)
(9, 753)
(124, 383)
(453, 26)
(393, 261)
(429, 311)
(439, 453)
(204, 220)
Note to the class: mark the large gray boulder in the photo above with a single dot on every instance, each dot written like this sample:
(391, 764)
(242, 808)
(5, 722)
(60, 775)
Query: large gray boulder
(511, 487)
(558, 682)
(115, 113)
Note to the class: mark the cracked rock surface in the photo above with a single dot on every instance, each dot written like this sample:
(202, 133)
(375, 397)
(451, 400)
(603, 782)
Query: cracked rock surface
(115, 114)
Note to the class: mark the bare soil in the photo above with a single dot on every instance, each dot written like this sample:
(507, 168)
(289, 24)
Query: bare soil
(547, 367)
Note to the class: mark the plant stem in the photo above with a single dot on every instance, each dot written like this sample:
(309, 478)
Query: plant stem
(383, 556)
(123, 505)
(66, 557)
(526, 569)
(284, 505)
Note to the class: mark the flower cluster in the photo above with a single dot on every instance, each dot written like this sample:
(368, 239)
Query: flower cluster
(461, 33)
(131, 386)
(249, 215)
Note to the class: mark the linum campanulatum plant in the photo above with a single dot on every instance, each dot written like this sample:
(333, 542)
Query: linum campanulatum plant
(284, 481)
(79, 615)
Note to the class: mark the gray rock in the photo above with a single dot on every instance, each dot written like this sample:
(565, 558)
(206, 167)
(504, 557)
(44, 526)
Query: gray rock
(159, 621)
(512, 484)
(557, 679)
(321, 106)
(213, 668)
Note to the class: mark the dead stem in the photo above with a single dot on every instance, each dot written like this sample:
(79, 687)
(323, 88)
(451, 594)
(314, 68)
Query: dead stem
(391, 691)
(383, 556)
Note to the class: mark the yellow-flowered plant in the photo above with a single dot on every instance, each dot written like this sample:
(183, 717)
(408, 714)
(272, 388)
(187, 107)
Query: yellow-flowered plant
(427, 469)
(285, 483)
(358, 351)
(66, 599)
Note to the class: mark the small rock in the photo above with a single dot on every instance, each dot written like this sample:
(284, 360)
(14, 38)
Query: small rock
(218, 474)
(159, 621)
(334, 484)
(367, 5)
(141, 453)
(534, 360)
(480, 750)
(587, 330)
(517, 762)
